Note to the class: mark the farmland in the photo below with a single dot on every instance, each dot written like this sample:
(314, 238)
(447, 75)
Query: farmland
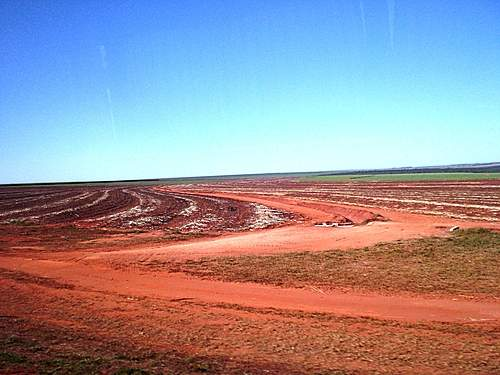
(402, 177)
(261, 275)
(133, 207)
(474, 200)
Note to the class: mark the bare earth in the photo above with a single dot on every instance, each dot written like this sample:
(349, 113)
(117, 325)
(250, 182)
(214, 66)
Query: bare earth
(68, 291)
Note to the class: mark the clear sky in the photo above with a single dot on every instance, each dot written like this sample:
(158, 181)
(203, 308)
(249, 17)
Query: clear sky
(144, 89)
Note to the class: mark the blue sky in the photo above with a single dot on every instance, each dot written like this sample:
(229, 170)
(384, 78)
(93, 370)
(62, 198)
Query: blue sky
(94, 90)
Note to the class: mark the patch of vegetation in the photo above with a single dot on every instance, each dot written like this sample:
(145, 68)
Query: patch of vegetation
(47, 237)
(131, 371)
(468, 262)
(178, 235)
(11, 358)
(389, 177)
(39, 238)
(71, 365)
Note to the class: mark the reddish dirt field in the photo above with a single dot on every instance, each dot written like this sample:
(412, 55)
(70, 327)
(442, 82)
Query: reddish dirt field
(73, 271)
(133, 207)
(470, 200)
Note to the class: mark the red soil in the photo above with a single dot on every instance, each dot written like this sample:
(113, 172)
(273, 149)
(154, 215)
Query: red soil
(386, 226)
(177, 286)
(473, 200)
(132, 207)
(115, 273)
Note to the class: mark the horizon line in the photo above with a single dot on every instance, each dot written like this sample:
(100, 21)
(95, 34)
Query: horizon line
(243, 175)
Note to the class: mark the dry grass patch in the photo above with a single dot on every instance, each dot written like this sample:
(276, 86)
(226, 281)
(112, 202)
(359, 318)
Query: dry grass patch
(467, 263)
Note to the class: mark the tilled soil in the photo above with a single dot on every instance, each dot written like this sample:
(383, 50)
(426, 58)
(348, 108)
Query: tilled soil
(471, 200)
(134, 207)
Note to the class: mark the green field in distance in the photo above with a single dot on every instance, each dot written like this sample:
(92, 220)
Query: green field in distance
(388, 177)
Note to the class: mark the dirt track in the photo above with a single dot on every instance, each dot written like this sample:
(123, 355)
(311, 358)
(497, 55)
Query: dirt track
(91, 275)
(168, 286)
